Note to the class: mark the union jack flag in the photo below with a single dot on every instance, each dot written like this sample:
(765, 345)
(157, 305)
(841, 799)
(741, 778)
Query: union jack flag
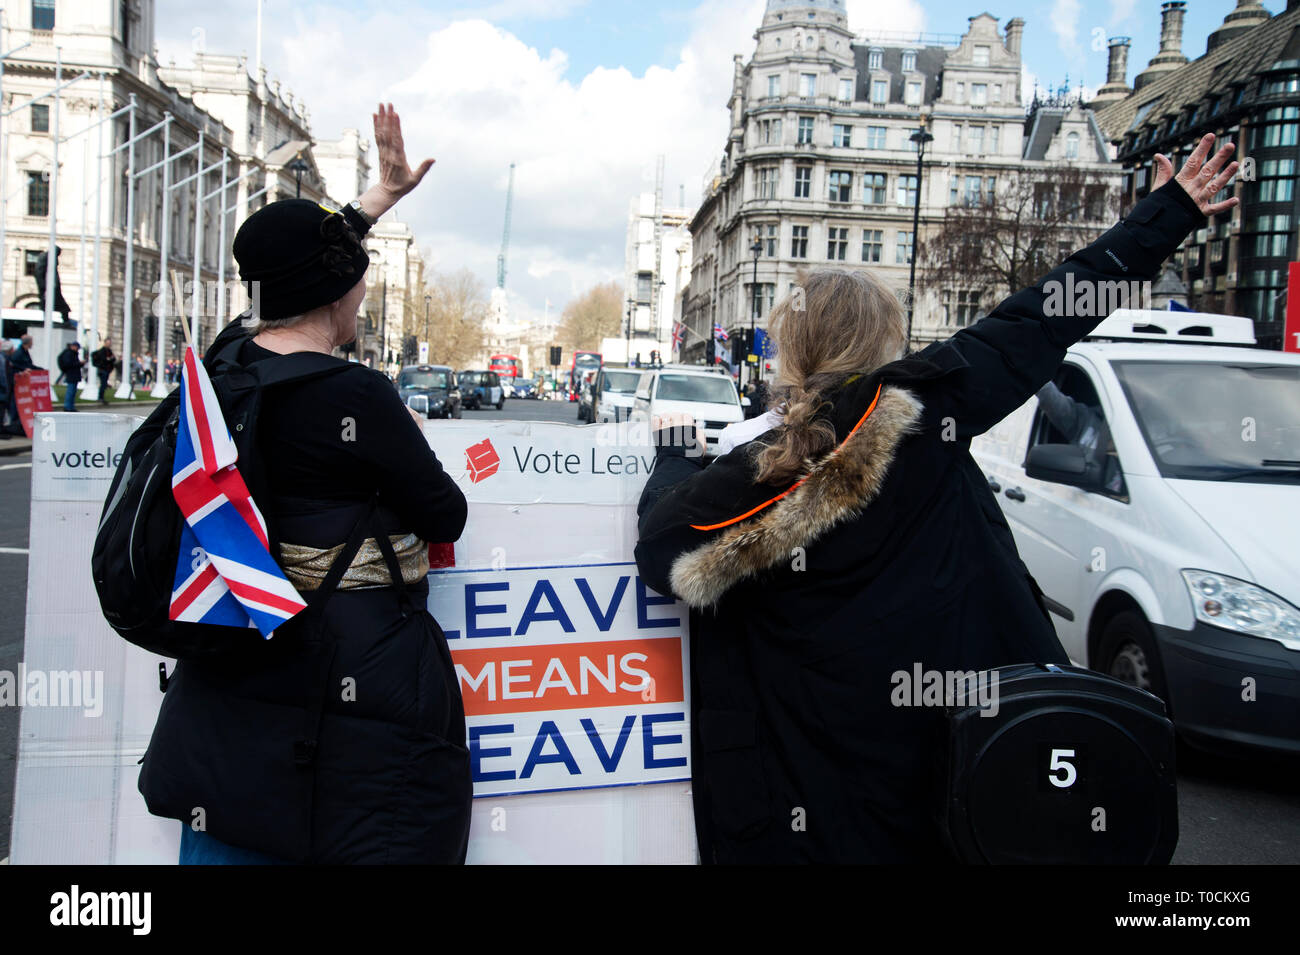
(719, 333)
(225, 574)
(679, 335)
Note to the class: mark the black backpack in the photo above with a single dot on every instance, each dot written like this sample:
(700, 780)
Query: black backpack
(138, 542)
(1074, 767)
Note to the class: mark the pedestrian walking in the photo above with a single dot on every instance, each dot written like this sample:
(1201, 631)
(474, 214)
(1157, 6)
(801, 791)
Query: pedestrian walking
(388, 777)
(859, 540)
(103, 360)
(8, 407)
(70, 365)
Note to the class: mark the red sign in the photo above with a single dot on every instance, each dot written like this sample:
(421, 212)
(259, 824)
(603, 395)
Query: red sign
(1291, 334)
(481, 460)
(32, 395)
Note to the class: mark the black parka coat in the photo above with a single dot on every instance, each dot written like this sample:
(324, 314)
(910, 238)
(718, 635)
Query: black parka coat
(889, 554)
(390, 780)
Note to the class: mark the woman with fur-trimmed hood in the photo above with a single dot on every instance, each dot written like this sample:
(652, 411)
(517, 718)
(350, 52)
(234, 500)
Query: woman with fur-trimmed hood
(859, 538)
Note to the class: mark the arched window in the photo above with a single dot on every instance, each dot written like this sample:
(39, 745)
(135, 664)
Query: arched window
(1072, 146)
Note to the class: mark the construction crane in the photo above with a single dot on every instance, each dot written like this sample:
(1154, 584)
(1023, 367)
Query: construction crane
(505, 233)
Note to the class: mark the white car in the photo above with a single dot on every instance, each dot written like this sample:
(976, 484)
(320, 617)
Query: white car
(1166, 538)
(614, 393)
(708, 396)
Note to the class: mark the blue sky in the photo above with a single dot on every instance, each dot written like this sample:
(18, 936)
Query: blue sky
(582, 95)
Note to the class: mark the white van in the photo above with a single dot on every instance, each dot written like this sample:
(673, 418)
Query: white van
(1169, 551)
(614, 393)
(708, 396)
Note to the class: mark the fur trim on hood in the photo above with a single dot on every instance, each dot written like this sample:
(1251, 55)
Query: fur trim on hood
(834, 490)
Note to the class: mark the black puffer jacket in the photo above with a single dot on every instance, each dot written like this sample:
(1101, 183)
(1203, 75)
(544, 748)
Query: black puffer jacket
(390, 782)
(890, 554)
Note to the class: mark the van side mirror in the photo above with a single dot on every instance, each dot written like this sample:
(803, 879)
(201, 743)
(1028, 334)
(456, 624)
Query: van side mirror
(744, 402)
(1063, 464)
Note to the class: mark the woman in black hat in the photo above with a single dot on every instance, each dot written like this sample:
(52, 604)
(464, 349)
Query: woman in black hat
(385, 775)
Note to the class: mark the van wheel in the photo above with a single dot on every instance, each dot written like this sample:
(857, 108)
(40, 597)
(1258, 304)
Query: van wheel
(1128, 653)
(501, 404)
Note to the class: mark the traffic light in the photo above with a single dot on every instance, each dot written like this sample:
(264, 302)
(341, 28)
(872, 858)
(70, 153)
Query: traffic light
(711, 353)
(739, 345)
(555, 355)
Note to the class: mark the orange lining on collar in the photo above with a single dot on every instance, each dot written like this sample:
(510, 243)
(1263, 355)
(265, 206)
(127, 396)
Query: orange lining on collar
(755, 510)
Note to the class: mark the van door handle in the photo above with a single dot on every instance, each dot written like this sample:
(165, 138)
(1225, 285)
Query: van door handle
(1014, 493)
(994, 486)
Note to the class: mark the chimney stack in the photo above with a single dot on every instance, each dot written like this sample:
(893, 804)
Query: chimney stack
(1247, 15)
(1116, 86)
(1015, 30)
(1170, 56)
(1171, 26)
(1117, 70)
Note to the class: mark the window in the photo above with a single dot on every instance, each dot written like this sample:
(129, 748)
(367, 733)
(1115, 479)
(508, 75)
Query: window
(38, 193)
(975, 141)
(961, 92)
(124, 9)
(876, 137)
(909, 61)
(837, 243)
(42, 14)
(841, 186)
(907, 190)
(981, 57)
(805, 130)
(1276, 181)
(803, 182)
(774, 85)
(768, 234)
(952, 189)
(807, 84)
(994, 132)
(873, 188)
(842, 135)
(997, 92)
(873, 243)
(990, 184)
(643, 280)
(903, 251)
(913, 95)
(968, 307)
(40, 117)
(29, 261)
(767, 182)
(769, 132)
(875, 59)
(973, 190)
(799, 242)
(979, 94)
(879, 91)
(1072, 146)
(846, 91)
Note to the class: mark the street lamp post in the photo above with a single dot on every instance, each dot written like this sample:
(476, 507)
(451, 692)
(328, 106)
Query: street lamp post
(920, 137)
(757, 249)
(427, 299)
(299, 167)
(627, 347)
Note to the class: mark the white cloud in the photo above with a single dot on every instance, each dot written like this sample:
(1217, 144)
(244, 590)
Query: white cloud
(1064, 20)
(477, 98)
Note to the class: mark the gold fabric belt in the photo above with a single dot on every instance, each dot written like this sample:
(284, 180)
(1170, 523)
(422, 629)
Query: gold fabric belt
(306, 567)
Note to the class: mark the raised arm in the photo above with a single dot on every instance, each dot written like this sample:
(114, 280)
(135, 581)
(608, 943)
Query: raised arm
(1014, 350)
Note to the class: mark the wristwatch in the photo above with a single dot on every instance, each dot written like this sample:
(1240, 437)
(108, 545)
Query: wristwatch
(369, 219)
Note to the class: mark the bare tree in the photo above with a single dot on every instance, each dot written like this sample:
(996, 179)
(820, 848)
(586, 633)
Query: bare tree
(595, 314)
(994, 245)
(452, 323)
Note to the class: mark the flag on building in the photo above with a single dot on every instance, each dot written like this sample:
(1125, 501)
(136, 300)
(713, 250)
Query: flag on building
(226, 574)
(719, 333)
(679, 335)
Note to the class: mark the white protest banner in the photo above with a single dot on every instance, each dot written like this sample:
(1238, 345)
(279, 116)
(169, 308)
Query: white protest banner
(574, 674)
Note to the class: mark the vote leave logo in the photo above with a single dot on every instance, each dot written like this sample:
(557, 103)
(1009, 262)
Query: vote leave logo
(481, 460)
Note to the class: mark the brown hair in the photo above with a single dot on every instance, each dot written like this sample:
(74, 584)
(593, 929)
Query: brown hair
(833, 323)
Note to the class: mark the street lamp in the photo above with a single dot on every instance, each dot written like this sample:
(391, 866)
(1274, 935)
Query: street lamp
(299, 167)
(427, 337)
(757, 249)
(627, 347)
(920, 137)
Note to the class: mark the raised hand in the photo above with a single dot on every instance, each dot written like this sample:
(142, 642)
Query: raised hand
(1201, 179)
(395, 176)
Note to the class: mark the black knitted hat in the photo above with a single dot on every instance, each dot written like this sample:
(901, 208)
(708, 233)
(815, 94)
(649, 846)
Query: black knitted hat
(301, 254)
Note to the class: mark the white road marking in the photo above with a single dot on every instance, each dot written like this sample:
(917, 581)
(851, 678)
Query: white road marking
(14, 550)
(10, 467)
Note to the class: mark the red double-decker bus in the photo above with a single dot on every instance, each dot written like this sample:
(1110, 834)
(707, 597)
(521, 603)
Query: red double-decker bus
(584, 363)
(507, 366)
